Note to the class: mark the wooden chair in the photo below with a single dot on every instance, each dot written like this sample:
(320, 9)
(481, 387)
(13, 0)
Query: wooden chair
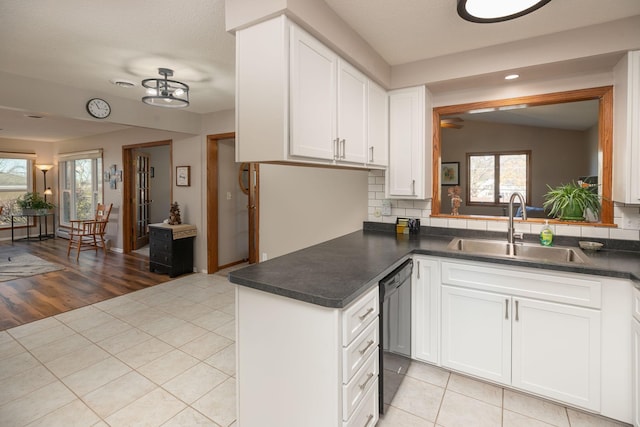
(88, 234)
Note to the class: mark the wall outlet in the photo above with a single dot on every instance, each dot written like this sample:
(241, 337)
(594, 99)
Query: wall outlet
(264, 256)
(228, 195)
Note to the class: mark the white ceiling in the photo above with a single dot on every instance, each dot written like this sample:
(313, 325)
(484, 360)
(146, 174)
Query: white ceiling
(85, 44)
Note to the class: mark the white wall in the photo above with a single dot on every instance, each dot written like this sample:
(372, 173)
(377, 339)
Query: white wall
(302, 206)
(160, 161)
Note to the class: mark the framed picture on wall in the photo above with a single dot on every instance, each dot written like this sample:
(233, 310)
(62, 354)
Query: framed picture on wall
(183, 176)
(450, 173)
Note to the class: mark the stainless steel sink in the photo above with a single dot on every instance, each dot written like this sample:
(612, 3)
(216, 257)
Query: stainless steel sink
(492, 248)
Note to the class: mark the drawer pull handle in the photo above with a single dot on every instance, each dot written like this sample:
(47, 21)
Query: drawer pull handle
(364, 350)
(364, 384)
(369, 418)
(362, 317)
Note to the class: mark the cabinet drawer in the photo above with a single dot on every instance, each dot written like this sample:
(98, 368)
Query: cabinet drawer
(358, 352)
(366, 414)
(160, 234)
(359, 314)
(636, 303)
(354, 392)
(585, 291)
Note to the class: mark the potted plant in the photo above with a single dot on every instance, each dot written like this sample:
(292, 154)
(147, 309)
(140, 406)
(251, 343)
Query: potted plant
(571, 201)
(33, 203)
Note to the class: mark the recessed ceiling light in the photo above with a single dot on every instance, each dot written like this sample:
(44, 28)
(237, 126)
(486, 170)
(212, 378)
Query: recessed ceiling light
(511, 76)
(484, 12)
(122, 83)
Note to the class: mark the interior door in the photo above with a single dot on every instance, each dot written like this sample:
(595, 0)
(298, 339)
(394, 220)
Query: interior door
(142, 199)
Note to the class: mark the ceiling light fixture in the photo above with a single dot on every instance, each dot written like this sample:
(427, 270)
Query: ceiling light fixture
(511, 76)
(485, 12)
(164, 92)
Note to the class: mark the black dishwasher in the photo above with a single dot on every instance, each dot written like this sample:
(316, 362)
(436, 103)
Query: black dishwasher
(395, 331)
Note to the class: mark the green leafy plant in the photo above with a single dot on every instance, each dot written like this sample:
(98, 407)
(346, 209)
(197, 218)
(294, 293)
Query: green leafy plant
(33, 201)
(570, 201)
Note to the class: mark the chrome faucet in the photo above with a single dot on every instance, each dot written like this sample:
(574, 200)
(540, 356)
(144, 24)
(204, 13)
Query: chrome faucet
(510, 232)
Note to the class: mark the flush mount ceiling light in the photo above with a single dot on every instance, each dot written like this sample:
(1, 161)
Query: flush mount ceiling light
(511, 76)
(484, 12)
(164, 92)
(122, 83)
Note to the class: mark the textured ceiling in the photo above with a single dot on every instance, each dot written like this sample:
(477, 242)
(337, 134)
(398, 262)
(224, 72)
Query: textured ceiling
(86, 43)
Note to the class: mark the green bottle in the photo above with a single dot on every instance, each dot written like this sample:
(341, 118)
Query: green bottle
(546, 235)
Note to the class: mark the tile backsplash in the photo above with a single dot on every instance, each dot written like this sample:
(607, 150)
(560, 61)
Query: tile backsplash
(627, 218)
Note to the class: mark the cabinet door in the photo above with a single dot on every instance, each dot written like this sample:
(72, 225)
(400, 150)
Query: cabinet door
(425, 325)
(556, 351)
(636, 372)
(476, 333)
(377, 126)
(352, 114)
(406, 143)
(312, 97)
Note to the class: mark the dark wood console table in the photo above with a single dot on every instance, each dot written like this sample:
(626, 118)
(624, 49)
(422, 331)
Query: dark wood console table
(171, 248)
(38, 218)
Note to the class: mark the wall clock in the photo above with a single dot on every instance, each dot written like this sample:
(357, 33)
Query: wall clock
(98, 108)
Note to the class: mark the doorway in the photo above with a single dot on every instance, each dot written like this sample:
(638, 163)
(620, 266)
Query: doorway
(232, 188)
(147, 166)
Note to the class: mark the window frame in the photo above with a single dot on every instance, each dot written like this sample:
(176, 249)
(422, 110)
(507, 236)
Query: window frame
(496, 184)
(30, 158)
(67, 183)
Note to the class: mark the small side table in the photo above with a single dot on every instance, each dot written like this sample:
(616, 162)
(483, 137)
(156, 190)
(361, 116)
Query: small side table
(39, 218)
(171, 248)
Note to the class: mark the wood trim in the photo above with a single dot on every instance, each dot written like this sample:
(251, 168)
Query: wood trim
(128, 188)
(212, 200)
(605, 128)
(212, 204)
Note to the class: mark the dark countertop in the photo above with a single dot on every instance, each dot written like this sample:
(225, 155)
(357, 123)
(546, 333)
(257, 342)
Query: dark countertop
(336, 272)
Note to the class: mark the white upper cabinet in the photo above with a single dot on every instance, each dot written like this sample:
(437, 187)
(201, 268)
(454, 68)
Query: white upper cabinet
(408, 176)
(626, 130)
(352, 114)
(313, 97)
(298, 101)
(378, 126)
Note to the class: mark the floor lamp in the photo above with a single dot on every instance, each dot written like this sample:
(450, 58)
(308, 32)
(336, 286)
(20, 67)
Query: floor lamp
(47, 192)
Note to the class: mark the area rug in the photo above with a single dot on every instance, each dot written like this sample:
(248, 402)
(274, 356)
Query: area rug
(24, 265)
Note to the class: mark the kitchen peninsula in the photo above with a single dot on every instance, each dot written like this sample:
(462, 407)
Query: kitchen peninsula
(296, 330)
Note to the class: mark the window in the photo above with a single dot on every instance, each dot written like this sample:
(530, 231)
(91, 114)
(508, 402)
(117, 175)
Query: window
(16, 178)
(493, 177)
(80, 185)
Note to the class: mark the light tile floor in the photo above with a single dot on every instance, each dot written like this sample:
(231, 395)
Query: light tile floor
(165, 356)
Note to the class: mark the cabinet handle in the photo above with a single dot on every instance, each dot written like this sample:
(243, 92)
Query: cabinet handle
(369, 311)
(413, 187)
(369, 418)
(371, 154)
(364, 350)
(344, 149)
(364, 384)
(517, 314)
(418, 275)
(336, 148)
(506, 309)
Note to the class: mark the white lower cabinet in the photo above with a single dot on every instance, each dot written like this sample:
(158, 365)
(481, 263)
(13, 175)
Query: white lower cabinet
(545, 347)
(425, 309)
(476, 333)
(635, 343)
(300, 364)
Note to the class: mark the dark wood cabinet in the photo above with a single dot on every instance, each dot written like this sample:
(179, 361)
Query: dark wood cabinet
(171, 248)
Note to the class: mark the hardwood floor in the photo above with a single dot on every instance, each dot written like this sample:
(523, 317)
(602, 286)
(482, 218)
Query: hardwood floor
(92, 279)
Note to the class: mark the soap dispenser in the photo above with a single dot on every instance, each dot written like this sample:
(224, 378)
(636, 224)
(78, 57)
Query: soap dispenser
(546, 235)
